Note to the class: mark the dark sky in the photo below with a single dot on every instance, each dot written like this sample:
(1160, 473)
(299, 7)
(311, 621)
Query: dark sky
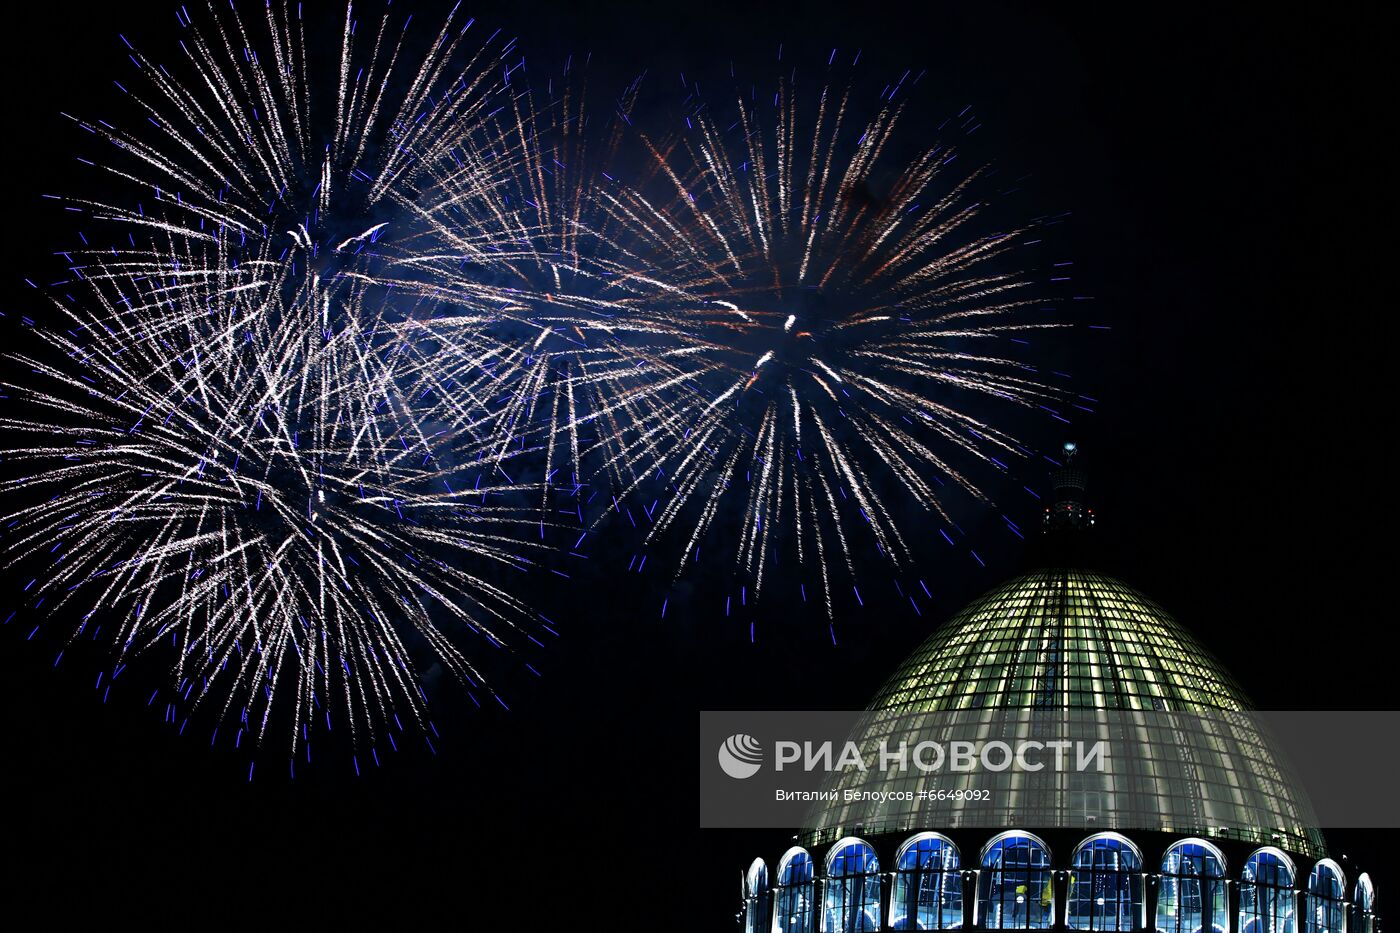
(1229, 212)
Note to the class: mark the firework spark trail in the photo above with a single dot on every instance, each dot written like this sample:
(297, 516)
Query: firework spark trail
(238, 156)
(551, 280)
(540, 263)
(240, 162)
(776, 316)
(299, 509)
(250, 447)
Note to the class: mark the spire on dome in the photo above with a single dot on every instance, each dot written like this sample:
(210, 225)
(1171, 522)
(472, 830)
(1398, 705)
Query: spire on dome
(1069, 510)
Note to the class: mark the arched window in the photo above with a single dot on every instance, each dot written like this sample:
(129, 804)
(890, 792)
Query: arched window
(1363, 906)
(852, 888)
(1266, 893)
(1192, 896)
(927, 885)
(1326, 891)
(1016, 891)
(756, 898)
(1105, 885)
(796, 894)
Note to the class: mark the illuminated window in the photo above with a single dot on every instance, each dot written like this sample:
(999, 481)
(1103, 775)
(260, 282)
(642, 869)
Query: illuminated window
(1192, 894)
(1326, 891)
(1363, 906)
(1266, 893)
(927, 885)
(795, 895)
(756, 898)
(852, 888)
(1105, 885)
(1016, 891)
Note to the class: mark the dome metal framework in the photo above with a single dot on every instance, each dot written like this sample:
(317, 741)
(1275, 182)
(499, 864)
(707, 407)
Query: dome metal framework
(1061, 638)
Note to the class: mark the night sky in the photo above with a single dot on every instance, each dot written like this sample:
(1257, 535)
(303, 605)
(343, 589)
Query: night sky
(1227, 209)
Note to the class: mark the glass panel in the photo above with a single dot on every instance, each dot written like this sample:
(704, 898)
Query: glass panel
(1325, 895)
(796, 896)
(1105, 886)
(853, 890)
(1266, 894)
(1363, 903)
(1017, 891)
(928, 886)
(757, 899)
(1192, 894)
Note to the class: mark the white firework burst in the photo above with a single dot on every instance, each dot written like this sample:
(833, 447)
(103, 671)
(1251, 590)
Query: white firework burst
(300, 508)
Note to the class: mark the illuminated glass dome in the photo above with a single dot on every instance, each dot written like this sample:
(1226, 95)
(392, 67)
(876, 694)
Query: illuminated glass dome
(1125, 849)
(1067, 641)
(1061, 638)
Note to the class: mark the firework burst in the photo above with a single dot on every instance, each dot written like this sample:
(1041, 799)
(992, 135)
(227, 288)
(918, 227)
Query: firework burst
(352, 352)
(236, 439)
(298, 508)
(811, 337)
(253, 148)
